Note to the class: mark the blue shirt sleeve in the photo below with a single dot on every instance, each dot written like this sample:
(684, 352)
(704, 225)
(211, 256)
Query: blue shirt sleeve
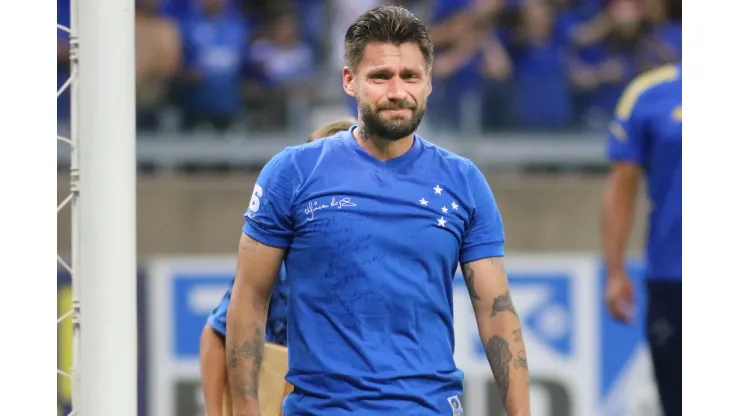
(277, 312)
(269, 218)
(627, 137)
(485, 234)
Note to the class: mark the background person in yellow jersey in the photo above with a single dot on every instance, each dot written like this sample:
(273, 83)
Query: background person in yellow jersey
(216, 391)
(645, 139)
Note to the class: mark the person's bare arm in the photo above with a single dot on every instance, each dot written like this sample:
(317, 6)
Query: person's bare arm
(257, 269)
(581, 76)
(212, 371)
(496, 62)
(170, 49)
(447, 33)
(452, 59)
(500, 331)
(617, 214)
(592, 31)
(62, 52)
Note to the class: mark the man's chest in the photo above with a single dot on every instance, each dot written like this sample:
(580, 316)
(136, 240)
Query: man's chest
(381, 214)
(667, 121)
(666, 132)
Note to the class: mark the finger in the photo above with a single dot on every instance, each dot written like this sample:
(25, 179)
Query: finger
(619, 309)
(627, 310)
(614, 311)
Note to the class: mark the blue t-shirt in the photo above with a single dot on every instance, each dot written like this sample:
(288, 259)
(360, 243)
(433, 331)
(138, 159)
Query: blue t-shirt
(543, 94)
(215, 48)
(647, 131)
(372, 249)
(280, 66)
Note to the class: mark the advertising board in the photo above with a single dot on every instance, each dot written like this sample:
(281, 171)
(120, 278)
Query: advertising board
(581, 362)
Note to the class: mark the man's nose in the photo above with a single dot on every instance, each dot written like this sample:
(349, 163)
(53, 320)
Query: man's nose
(396, 89)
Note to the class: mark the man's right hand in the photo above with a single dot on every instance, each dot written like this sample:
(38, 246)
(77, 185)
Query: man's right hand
(620, 297)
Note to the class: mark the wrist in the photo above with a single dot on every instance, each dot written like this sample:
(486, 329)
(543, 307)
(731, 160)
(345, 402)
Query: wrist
(615, 269)
(246, 406)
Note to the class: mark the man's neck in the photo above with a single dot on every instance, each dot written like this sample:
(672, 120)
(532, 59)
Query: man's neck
(380, 148)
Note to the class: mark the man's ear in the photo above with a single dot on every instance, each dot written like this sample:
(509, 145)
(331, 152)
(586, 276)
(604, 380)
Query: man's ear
(348, 81)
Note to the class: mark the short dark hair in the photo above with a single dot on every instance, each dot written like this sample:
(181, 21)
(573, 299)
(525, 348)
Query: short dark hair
(386, 24)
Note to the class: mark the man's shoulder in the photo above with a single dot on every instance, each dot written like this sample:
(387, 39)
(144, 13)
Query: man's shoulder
(448, 158)
(311, 152)
(646, 88)
(301, 159)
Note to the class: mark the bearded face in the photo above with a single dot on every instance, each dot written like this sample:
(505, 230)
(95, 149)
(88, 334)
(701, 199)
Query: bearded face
(391, 85)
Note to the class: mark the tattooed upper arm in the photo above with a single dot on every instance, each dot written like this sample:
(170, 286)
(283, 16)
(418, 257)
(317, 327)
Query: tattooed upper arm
(498, 262)
(503, 303)
(258, 266)
(248, 244)
(480, 276)
(469, 276)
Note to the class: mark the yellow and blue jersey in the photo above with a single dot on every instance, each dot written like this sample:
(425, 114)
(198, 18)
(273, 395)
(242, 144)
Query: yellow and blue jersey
(647, 131)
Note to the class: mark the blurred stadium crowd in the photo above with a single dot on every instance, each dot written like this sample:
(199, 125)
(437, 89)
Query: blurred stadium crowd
(263, 65)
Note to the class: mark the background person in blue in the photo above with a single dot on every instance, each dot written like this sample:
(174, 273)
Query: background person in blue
(645, 138)
(213, 37)
(212, 349)
(371, 225)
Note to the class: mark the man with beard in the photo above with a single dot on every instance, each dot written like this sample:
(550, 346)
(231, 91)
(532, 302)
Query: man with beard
(372, 223)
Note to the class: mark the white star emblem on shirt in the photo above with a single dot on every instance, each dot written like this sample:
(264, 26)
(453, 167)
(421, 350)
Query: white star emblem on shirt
(454, 206)
(424, 202)
(444, 209)
(441, 221)
(437, 190)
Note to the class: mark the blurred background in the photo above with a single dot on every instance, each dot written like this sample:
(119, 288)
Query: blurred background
(522, 87)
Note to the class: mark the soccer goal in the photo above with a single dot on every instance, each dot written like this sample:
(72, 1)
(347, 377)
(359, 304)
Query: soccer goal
(102, 202)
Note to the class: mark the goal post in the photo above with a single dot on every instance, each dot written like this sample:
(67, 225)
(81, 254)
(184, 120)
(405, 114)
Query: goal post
(104, 215)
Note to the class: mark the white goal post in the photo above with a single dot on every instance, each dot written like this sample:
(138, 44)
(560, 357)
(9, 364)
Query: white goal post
(103, 205)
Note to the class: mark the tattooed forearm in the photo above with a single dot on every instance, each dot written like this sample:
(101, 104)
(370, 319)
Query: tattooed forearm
(251, 353)
(469, 276)
(501, 333)
(521, 360)
(251, 350)
(499, 357)
(503, 303)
